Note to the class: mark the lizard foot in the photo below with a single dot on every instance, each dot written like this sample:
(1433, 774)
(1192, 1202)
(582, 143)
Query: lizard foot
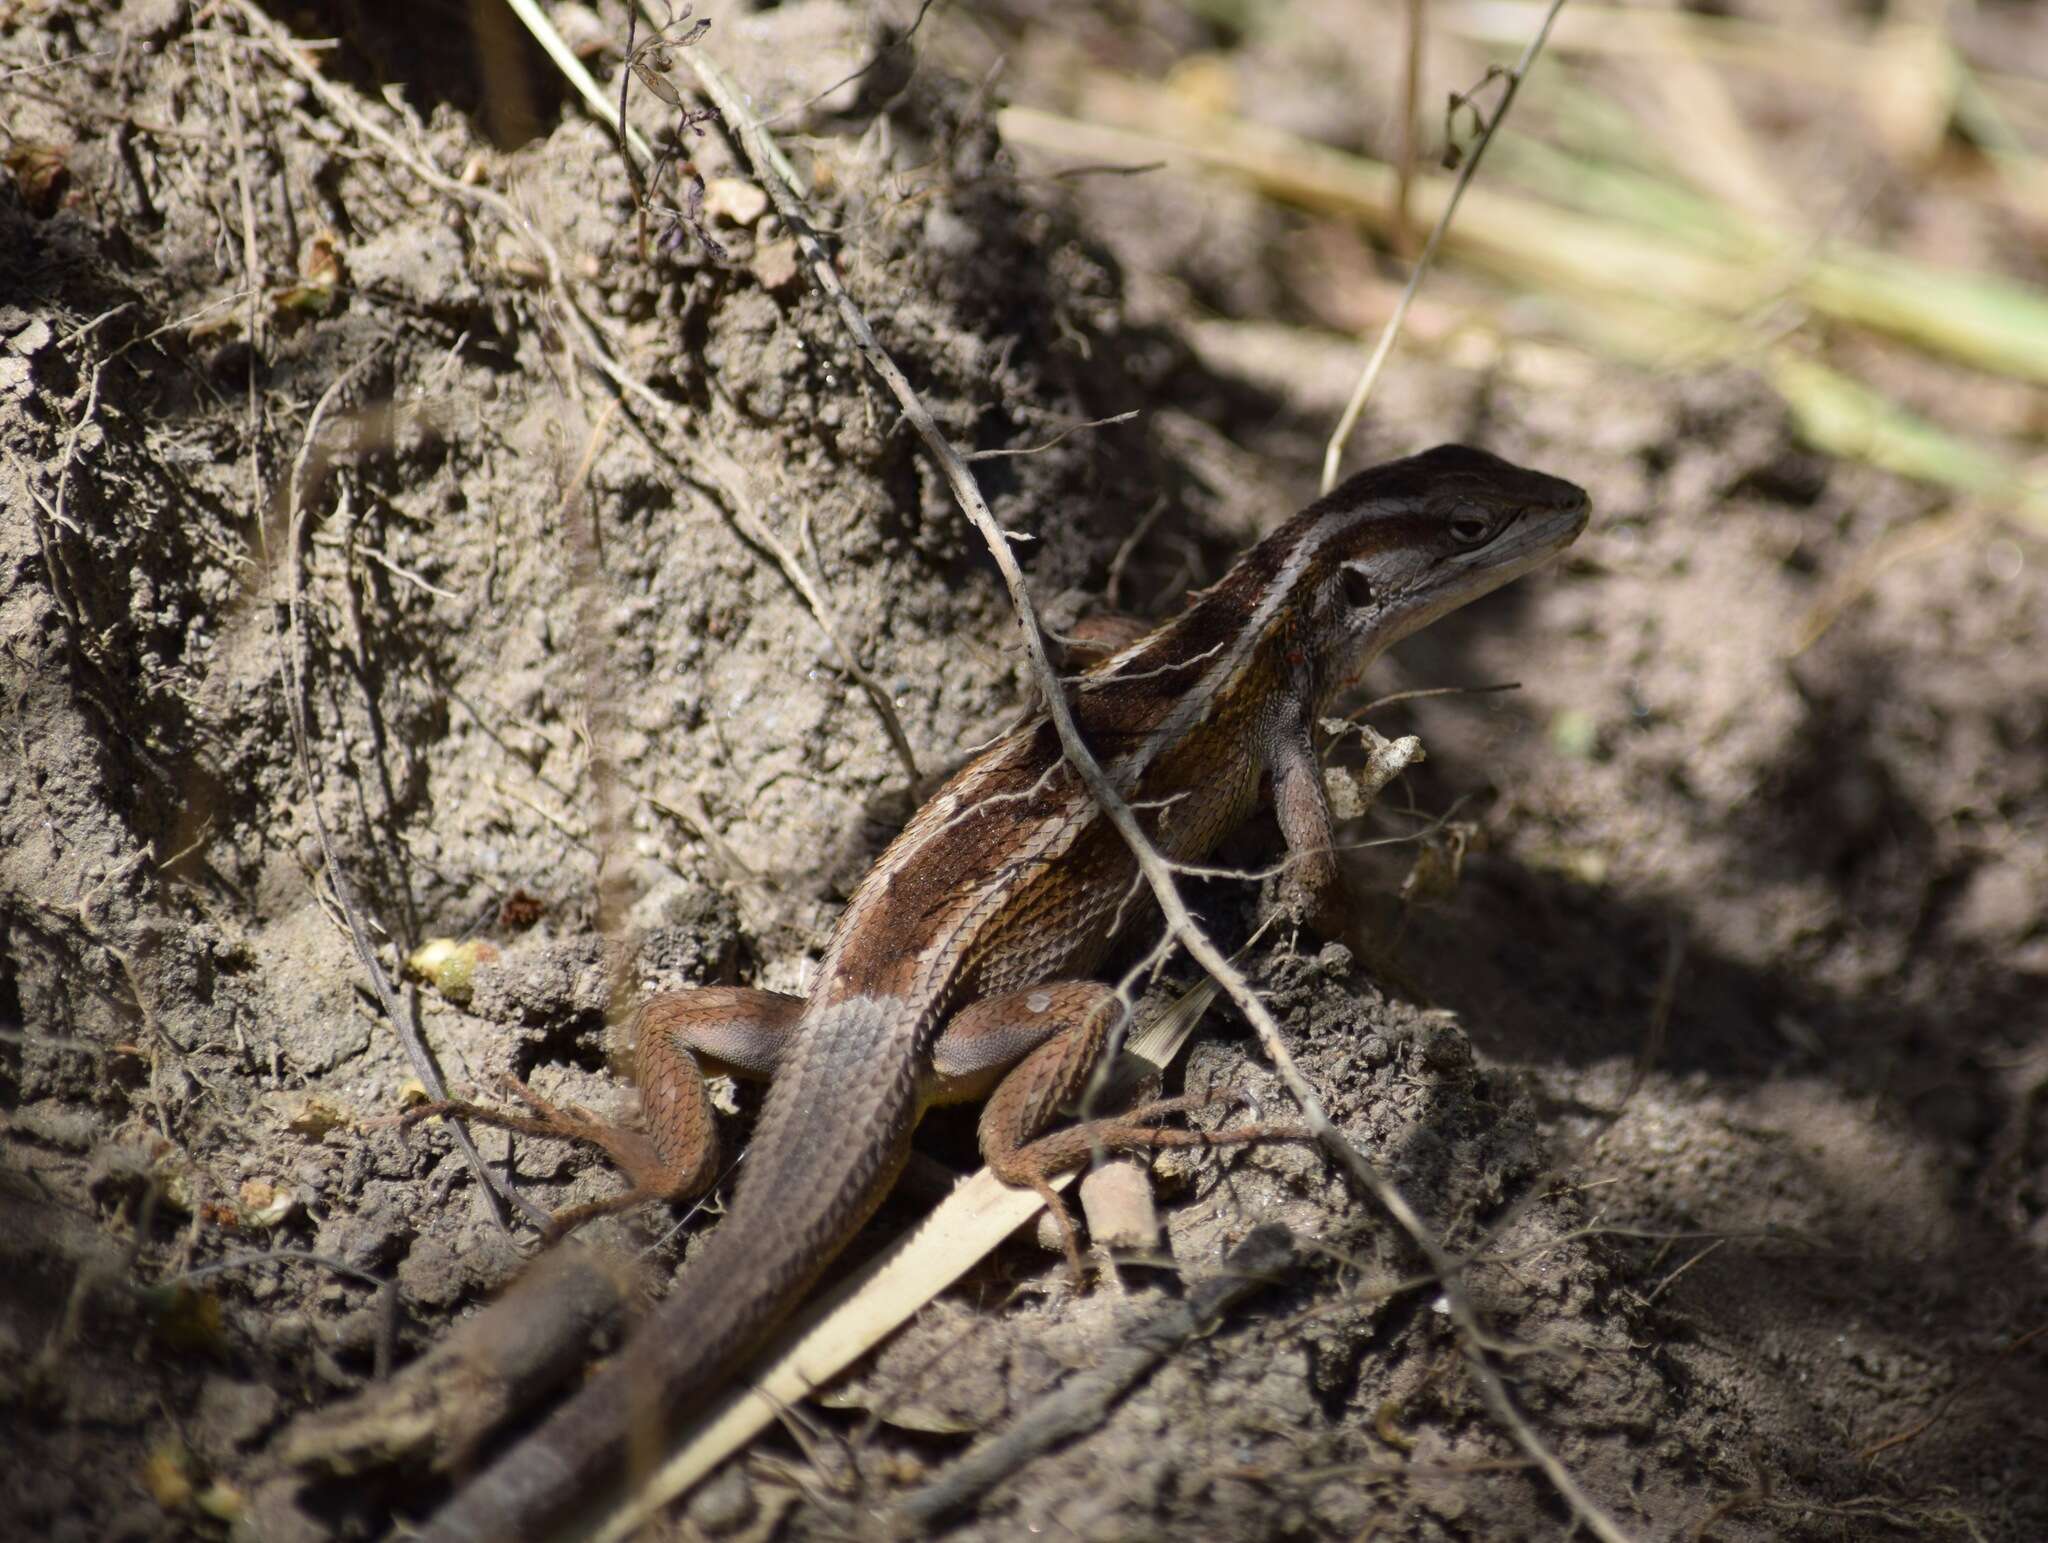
(1135, 1130)
(629, 1151)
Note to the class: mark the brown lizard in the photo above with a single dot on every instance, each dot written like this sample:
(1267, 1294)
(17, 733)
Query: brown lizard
(959, 968)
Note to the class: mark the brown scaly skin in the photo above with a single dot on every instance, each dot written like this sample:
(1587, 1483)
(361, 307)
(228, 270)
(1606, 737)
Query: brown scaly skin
(960, 964)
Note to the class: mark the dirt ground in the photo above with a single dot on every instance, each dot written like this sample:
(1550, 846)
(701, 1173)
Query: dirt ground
(1727, 1052)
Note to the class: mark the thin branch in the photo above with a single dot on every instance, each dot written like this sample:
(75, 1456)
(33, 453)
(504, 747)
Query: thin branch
(1333, 453)
(1081, 1403)
(590, 344)
(1112, 589)
(1071, 429)
(56, 64)
(492, 1185)
(1906, 543)
(1665, 1284)
(1423, 693)
(731, 480)
(740, 118)
(385, 1350)
(848, 79)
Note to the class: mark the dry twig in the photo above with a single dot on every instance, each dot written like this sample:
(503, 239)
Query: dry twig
(296, 690)
(1157, 872)
(1081, 1402)
(731, 480)
(1333, 453)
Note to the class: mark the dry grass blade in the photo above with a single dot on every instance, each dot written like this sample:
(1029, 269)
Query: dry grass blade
(1991, 323)
(1639, 294)
(836, 1331)
(1847, 418)
(1517, 236)
(564, 59)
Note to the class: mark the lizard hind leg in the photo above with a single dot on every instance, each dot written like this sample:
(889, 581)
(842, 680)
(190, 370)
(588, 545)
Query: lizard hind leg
(1017, 1159)
(676, 1156)
(1050, 1038)
(630, 1151)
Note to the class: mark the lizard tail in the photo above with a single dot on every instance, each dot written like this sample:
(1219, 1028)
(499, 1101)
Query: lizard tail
(831, 1140)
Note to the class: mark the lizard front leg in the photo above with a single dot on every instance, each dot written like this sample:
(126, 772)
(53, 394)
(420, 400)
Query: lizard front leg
(679, 1035)
(1312, 889)
(1043, 1043)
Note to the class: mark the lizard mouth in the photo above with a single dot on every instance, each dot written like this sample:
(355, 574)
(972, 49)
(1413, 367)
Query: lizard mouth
(1546, 532)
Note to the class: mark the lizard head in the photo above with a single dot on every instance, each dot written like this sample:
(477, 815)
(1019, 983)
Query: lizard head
(1390, 550)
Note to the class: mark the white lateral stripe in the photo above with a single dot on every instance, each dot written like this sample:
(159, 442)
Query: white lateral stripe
(1196, 704)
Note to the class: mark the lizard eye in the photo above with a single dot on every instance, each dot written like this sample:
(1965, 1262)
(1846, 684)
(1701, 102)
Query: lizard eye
(1358, 590)
(1470, 529)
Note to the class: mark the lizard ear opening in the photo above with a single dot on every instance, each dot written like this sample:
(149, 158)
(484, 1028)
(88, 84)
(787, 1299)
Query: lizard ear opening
(1358, 590)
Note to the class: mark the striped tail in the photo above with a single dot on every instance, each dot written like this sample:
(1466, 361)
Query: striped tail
(831, 1140)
